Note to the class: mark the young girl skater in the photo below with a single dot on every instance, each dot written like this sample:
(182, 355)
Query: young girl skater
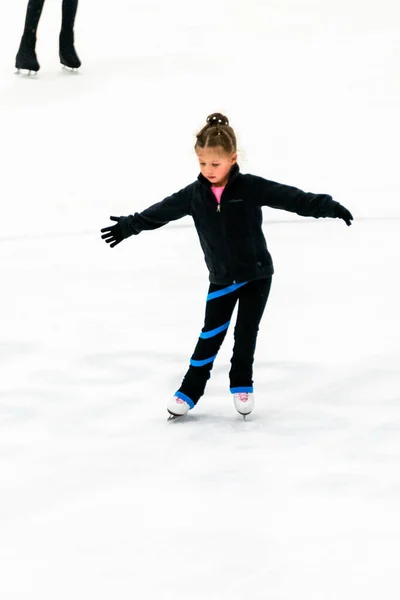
(226, 209)
(26, 57)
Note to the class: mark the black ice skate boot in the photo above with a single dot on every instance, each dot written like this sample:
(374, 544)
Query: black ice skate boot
(68, 55)
(26, 57)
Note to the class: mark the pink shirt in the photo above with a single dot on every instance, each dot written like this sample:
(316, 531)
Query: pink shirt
(217, 191)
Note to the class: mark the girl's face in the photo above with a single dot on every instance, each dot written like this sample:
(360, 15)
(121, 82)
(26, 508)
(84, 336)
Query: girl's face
(215, 164)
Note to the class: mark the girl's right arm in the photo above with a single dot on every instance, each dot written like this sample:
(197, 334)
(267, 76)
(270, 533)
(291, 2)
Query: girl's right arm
(170, 209)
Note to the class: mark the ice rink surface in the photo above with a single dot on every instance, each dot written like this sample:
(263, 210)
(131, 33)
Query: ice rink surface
(101, 497)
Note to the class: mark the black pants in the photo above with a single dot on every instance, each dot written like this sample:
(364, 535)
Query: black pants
(221, 301)
(34, 11)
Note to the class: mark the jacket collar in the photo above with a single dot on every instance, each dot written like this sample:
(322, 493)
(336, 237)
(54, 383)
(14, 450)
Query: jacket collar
(233, 173)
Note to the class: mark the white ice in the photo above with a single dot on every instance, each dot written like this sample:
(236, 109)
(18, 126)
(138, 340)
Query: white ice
(100, 497)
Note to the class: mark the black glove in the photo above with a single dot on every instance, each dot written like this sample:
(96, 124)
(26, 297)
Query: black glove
(342, 213)
(113, 235)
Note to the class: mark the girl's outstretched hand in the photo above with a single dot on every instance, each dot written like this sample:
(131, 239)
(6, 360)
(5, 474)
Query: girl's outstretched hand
(113, 235)
(343, 213)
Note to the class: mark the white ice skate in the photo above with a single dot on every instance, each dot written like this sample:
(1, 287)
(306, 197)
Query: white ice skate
(244, 402)
(177, 407)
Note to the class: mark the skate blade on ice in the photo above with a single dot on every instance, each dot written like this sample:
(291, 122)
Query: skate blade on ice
(244, 415)
(173, 417)
(68, 69)
(26, 72)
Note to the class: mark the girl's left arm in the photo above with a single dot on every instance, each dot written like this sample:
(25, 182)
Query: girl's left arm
(292, 199)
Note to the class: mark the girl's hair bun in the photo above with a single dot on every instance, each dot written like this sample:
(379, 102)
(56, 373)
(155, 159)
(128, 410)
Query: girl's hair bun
(217, 119)
(217, 133)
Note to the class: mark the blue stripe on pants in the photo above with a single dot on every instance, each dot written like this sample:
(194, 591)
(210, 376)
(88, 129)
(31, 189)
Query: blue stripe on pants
(183, 396)
(227, 290)
(208, 334)
(201, 363)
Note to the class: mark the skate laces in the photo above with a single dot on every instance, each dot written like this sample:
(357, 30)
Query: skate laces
(243, 396)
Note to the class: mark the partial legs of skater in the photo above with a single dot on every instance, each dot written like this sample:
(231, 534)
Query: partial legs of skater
(221, 301)
(220, 304)
(68, 55)
(252, 300)
(26, 57)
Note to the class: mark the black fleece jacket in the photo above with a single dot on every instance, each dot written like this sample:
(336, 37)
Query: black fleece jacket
(231, 233)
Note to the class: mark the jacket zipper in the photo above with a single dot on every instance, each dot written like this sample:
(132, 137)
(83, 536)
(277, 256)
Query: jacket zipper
(219, 210)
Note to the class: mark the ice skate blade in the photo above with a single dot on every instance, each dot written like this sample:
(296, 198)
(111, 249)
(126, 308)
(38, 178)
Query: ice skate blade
(69, 69)
(173, 417)
(244, 415)
(26, 72)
